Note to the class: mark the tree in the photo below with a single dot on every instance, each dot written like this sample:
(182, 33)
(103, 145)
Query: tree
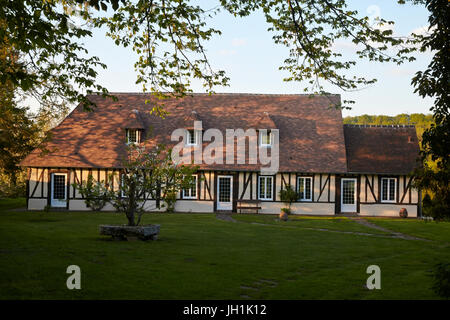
(148, 175)
(18, 132)
(169, 35)
(434, 82)
(51, 58)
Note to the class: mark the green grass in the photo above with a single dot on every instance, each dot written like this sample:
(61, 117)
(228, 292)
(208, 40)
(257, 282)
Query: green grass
(13, 203)
(317, 222)
(432, 230)
(198, 256)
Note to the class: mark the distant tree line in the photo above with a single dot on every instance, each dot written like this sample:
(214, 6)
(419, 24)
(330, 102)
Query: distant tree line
(419, 120)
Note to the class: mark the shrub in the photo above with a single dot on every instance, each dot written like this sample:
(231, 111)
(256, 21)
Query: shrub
(10, 189)
(94, 192)
(436, 208)
(288, 195)
(441, 277)
(170, 199)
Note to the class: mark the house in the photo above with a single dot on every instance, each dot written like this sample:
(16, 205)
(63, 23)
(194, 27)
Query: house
(336, 168)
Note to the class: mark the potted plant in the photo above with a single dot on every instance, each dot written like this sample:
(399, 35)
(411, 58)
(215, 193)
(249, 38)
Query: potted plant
(287, 196)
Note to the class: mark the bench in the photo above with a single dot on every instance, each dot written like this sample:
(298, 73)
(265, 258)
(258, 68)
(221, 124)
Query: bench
(248, 205)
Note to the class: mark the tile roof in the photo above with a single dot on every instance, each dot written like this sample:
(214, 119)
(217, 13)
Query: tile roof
(381, 149)
(134, 120)
(311, 132)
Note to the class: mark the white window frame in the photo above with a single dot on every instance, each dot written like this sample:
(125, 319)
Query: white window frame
(189, 134)
(265, 189)
(138, 136)
(261, 144)
(58, 203)
(189, 195)
(388, 190)
(304, 188)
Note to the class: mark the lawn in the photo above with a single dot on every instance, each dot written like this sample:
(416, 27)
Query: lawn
(198, 256)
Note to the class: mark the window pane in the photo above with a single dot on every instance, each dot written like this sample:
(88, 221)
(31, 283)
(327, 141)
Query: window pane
(194, 187)
(262, 187)
(59, 186)
(191, 137)
(384, 189)
(268, 187)
(191, 192)
(132, 136)
(348, 192)
(301, 187)
(391, 189)
(265, 138)
(224, 189)
(265, 188)
(307, 188)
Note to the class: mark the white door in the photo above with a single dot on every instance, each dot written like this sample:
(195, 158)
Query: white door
(58, 196)
(225, 193)
(348, 195)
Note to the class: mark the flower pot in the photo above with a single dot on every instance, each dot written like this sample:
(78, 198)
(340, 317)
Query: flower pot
(283, 216)
(403, 213)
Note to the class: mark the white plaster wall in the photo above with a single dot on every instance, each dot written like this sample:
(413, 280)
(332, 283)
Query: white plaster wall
(299, 208)
(332, 188)
(34, 180)
(80, 205)
(194, 206)
(387, 210)
(37, 204)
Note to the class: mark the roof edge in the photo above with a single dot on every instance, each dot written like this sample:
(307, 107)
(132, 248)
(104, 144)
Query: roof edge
(392, 126)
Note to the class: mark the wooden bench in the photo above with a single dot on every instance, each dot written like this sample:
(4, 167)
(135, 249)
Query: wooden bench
(248, 205)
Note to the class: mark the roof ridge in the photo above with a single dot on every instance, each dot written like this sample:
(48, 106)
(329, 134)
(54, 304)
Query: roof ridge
(379, 125)
(226, 93)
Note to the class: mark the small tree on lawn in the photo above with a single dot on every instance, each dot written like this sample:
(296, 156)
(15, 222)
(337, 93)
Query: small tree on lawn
(148, 175)
(94, 192)
(288, 195)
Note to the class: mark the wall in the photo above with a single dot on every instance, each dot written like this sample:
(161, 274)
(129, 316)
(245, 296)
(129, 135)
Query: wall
(387, 210)
(246, 187)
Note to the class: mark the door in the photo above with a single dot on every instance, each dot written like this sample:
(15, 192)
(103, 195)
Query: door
(58, 195)
(224, 193)
(348, 195)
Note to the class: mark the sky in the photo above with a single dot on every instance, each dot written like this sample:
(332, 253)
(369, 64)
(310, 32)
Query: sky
(247, 53)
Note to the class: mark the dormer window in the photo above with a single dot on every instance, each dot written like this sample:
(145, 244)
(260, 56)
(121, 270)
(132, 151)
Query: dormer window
(265, 138)
(191, 138)
(133, 136)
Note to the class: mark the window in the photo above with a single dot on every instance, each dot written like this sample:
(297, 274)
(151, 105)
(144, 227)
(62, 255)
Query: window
(304, 186)
(265, 187)
(122, 183)
(265, 138)
(133, 136)
(191, 138)
(191, 192)
(388, 189)
(124, 189)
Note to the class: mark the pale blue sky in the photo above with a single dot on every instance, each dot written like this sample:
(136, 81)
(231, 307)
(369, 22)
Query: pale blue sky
(246, 51)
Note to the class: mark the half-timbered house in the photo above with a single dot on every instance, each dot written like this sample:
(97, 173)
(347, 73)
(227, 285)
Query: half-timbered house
(336, 168)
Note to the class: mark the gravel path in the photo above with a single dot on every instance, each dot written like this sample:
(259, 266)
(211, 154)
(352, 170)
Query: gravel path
(394, 234)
